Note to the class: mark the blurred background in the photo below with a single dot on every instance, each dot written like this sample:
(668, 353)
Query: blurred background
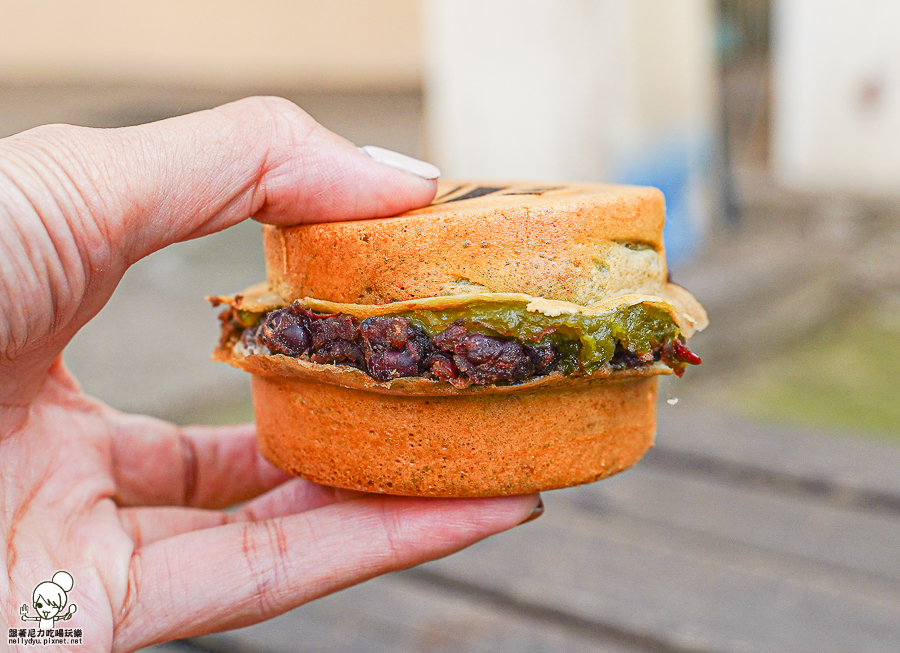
(772, 126)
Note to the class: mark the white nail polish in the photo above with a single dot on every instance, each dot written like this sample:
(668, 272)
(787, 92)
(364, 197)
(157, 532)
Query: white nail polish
(401, 162)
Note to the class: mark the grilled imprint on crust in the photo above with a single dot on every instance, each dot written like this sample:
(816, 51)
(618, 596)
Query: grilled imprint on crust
(464, 353)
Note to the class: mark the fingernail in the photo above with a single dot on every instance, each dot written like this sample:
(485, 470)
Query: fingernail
(401, 162)
(536, 512)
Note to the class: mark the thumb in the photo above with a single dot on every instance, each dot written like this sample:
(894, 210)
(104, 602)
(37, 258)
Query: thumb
(79, 205)
(148, 186)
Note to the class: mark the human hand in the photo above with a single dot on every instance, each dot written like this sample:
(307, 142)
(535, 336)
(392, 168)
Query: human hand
(132, 506)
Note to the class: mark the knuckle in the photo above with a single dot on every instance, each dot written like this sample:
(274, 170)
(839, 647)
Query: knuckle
(276, 111)
(52, 133)
(264, 548)
(190, 468)
(392, 532)
(133, 584)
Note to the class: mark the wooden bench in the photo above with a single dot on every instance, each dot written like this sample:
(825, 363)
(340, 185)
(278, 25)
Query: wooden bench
(731, 535)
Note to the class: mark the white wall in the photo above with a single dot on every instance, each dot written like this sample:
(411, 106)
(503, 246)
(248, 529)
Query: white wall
(617, 90)
(836, 110)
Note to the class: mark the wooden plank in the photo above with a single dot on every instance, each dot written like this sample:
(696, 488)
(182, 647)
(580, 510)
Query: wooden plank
(811, 529)
(393, 615)
(859, 471)
(684, 588)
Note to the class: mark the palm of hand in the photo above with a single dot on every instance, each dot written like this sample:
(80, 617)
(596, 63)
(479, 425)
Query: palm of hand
(74, 474)
(129, 506)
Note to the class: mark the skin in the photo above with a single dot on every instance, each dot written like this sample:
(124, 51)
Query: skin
(132, 506)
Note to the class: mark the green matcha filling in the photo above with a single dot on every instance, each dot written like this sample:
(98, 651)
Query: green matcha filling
(585, 341)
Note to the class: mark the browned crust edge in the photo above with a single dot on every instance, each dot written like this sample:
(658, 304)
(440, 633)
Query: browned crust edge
(280, 366)
(468, 445)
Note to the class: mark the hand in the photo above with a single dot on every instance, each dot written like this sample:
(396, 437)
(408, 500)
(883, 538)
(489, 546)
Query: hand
(131, 506)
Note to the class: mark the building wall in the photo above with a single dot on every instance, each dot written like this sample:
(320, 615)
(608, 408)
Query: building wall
(212, 42)
(604, 90)
(836, 109)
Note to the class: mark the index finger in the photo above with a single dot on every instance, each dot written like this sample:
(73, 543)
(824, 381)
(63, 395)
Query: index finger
(238, 574)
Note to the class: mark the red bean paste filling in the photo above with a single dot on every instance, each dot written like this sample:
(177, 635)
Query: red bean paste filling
(391, 347)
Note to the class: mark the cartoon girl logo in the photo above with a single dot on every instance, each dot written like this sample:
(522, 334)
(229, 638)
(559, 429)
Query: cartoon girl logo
(49, 599)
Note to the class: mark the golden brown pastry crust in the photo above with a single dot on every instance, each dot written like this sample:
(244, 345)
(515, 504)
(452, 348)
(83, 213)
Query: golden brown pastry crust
(468, 445)
(553, 245)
